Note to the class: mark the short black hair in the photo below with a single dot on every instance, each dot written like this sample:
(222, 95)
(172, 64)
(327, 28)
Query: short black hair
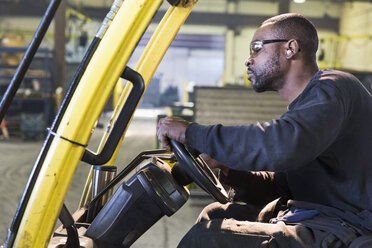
(295, 26)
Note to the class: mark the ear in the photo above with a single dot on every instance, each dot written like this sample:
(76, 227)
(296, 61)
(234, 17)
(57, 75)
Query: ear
(292, 48)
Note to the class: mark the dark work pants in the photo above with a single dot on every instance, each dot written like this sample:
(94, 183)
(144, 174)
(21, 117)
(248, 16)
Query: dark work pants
(235, 225)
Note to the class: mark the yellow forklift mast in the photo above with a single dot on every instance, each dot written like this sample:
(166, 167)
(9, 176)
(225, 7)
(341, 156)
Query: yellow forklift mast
(103, 65)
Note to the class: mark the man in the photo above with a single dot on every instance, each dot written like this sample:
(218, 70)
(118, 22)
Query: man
(316, 158)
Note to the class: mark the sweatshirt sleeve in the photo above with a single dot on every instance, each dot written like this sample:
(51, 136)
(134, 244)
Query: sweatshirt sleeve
(255, 187)
(293, 140)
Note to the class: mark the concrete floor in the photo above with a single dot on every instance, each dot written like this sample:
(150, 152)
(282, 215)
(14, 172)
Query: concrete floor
(18, 156)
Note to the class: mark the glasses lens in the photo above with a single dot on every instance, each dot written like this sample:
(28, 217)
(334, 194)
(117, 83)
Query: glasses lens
(256, 46)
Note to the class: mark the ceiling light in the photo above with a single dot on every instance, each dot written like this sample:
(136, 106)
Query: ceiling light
(299, 1)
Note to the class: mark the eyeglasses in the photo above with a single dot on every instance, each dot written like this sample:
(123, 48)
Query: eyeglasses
(257, 45)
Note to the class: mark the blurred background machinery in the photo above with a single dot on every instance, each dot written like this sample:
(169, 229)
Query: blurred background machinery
(33, 108)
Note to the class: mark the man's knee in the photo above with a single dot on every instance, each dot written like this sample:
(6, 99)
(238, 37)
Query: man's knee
(237, 211)
(214, 210)
(191, 239)
(226, 233)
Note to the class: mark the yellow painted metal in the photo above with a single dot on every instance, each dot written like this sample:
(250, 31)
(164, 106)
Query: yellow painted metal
(87, 192)
(81, 16)
(162, 38)
(146, 66)
(347, 37)
(333, 62)
(84, 109)
(185, 92)
(119, 87)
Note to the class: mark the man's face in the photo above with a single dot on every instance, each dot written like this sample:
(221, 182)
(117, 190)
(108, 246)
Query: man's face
(264, 67)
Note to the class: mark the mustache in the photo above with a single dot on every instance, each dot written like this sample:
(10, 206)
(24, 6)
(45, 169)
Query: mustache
(250, 70)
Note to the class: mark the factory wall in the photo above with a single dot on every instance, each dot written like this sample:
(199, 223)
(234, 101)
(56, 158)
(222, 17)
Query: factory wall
(347, 49)
(355, 41)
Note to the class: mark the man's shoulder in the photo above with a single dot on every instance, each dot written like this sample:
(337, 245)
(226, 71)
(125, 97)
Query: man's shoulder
(325, 87)
(336, 76)
(345, 82)
(338, 81)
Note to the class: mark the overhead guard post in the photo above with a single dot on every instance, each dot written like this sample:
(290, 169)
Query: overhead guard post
(122, 121)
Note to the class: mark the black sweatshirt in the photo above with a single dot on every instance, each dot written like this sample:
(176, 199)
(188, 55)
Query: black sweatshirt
(323, 143)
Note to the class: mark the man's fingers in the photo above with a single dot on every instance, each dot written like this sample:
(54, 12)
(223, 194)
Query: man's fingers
(165, 142)
(171, 128)
(162, 135)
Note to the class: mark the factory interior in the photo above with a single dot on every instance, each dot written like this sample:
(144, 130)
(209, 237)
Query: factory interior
(201, 78)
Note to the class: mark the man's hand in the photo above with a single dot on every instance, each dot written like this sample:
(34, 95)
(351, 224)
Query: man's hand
(171, 128)
(214, 163)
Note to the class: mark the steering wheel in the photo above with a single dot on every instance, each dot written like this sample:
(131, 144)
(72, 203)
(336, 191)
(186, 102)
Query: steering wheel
(199, 172)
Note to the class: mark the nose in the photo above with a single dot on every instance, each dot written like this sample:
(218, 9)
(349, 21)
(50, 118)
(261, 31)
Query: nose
(248, 61)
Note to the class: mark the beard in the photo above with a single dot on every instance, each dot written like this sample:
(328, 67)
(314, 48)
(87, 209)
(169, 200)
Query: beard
(266, 75)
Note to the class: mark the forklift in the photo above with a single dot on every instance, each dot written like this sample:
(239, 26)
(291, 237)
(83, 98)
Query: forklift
(107, 219)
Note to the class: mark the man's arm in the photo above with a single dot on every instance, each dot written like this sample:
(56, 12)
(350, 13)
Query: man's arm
(214, 164)
(258, 188)
(298, 137)
(294, 140)
(253, 187)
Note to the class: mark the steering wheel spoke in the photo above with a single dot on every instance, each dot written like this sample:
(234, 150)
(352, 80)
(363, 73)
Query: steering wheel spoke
(199, 172)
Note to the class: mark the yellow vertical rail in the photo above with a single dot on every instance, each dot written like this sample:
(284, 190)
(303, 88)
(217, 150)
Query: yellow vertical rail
(84, 109)
(146, 66)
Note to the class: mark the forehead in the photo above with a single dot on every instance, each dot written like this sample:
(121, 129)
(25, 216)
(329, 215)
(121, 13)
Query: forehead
(264, 32)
